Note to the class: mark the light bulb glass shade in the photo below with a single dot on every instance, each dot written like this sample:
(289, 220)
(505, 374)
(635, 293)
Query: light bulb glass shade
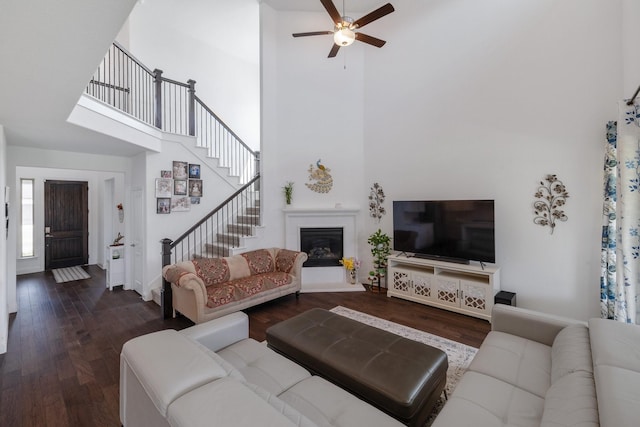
(344, 37)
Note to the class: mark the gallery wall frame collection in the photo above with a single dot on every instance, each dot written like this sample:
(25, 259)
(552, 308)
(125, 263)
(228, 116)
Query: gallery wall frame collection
(179, 188)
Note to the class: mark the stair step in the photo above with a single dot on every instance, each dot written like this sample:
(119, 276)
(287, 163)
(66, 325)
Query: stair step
(248, 219)
(242, 229)
(216, 251)
(228, 239)
(255, 211)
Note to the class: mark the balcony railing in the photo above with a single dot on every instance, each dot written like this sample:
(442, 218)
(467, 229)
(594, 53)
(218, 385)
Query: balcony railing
(123, 82)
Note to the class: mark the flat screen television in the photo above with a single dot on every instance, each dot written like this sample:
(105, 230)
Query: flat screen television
(451, 230)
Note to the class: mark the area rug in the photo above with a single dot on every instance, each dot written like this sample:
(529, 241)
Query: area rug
(69, 274)
(459, 355)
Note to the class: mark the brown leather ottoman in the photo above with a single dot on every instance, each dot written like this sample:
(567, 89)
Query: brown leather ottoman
(401, 377)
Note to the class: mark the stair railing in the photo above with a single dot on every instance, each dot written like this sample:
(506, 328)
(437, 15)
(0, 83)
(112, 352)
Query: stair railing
(123, 82)
(212, 233)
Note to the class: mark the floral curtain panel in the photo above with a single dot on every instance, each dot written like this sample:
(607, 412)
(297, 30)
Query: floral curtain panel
(620, 270)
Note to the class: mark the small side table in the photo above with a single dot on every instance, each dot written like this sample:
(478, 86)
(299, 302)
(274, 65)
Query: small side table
(115, 266)
(504, 297)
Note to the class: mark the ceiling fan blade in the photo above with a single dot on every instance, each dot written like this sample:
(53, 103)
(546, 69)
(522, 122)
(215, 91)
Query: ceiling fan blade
(334, 50)
(333, 12)
(312, 33)
(376, 14)
(370, 40)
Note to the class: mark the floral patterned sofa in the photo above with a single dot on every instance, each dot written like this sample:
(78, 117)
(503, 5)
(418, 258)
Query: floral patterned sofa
(207, 288)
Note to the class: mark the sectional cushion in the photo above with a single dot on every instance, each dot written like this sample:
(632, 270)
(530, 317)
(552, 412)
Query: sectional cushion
(327, 405)
(616, 359)
(262, 366)
(228, 402)
(571, 401)
(517, 361)
(482, 401)
(571, 352)
(170, 371)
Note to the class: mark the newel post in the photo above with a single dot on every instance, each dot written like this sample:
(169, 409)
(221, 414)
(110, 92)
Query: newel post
(166, 294)
(192, 107)
(157, 80)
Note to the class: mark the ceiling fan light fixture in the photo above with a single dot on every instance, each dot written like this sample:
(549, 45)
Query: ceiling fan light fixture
(344, 36)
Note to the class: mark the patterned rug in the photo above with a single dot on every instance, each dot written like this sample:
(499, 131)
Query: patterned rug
(459, 355)
(69, 274)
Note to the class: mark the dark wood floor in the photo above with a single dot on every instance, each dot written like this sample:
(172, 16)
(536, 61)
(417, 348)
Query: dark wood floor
(62, 367)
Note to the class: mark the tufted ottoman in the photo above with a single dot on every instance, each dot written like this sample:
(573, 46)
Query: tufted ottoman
(401, 377)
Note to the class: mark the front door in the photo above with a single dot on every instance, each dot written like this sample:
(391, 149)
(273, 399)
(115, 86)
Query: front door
(66, 221)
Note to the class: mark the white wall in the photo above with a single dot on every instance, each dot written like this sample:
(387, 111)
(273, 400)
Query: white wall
(4, 273)
(466, 100)
(215, 43)
(215, 190)
(313, 109)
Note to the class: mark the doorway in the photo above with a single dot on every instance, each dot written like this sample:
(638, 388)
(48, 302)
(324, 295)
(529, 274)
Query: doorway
(66, 221)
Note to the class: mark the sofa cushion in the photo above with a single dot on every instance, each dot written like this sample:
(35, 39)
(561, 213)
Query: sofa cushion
(482, 401)
(616, 360)
(262, 366)
(260, 261)
(227, 402)
(517, 361)
(285, 260)
(571, 352)
(212, 271)
(240, 289)
(571, 401)
(328, 405)
(172, 365)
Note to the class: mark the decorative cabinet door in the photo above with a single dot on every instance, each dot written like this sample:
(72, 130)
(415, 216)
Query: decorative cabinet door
(423, 285)
(475, 296)
(447, 290)
(400, 280)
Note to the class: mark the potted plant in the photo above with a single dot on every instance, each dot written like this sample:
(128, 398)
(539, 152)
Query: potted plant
(288, 192)
(380, 249)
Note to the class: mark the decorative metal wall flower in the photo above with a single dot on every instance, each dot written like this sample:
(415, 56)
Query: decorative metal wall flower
(322, 181)
(376, 199)
(553, 195)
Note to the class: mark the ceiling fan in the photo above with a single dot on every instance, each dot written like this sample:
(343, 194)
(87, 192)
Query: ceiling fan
(344, 31)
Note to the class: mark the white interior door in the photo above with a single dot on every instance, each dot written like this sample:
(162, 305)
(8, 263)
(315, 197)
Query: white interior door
(137, 248)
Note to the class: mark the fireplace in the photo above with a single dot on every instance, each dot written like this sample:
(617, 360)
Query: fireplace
(324, 246)
(329, 278)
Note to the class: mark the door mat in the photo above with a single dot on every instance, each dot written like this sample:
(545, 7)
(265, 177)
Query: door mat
(69, 274)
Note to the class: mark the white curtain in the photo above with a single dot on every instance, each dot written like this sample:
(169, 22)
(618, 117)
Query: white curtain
(621, 226)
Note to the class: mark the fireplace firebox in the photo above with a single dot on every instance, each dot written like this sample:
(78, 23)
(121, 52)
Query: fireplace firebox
(324, 246)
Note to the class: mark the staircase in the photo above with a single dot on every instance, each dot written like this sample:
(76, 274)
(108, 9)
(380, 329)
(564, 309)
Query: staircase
(126, 84)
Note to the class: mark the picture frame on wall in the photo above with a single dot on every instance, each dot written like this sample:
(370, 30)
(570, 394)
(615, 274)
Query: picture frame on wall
(195, 200)
(180, 170)
(166, 174)
(180, 204)
(195, 187)
(163, 205)
(194, 171)
(164, 187)
(179, 187)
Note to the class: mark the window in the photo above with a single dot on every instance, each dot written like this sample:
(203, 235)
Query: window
(26, 217)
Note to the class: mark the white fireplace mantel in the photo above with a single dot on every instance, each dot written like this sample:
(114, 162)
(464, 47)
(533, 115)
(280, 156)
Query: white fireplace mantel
(296, 218)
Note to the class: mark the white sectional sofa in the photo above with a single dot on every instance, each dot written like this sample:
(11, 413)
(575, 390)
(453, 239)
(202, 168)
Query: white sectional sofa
(537, 370)
(212, 374)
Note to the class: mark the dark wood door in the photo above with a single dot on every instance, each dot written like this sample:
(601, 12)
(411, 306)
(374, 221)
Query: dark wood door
(66, 221)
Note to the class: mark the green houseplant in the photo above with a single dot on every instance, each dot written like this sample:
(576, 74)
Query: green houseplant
(288, 192)
(380, 249)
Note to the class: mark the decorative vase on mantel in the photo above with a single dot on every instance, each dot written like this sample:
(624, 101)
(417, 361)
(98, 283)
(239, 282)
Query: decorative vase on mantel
(352, 277)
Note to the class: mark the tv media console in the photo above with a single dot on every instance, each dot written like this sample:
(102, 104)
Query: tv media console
(463, 288)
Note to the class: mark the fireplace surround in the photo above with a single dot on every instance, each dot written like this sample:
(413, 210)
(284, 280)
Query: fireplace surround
(323, 278)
